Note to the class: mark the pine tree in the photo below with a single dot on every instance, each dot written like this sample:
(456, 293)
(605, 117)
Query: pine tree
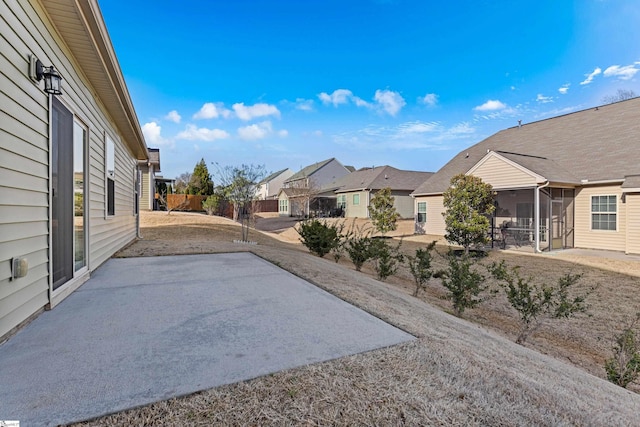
(201, 183)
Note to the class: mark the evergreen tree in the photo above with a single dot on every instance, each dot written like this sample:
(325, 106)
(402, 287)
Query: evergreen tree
(384, 215)
(200, 183)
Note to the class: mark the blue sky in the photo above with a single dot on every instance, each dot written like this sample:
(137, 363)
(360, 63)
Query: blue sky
(408, 83)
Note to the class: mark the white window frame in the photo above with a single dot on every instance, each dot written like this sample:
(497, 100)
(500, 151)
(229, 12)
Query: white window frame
(356, 203)
(109, 175)
(601, 212)
(418, 212)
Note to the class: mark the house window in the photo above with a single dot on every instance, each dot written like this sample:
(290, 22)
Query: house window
(422, 212)
(356, 199)
(110, 164)
(283, 206)
(341, 201)
(604, 212)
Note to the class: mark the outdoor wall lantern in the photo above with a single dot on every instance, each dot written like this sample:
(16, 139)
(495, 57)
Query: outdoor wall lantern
(52, 79)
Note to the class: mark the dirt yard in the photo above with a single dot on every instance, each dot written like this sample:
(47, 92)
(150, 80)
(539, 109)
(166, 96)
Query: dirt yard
(459, 372)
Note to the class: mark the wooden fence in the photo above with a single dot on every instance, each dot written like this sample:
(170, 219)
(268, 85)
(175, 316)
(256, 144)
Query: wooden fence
(192, 203)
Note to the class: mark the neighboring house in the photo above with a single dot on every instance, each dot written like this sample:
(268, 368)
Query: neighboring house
(564, 182)
(148, 170)
(353, 192)
(271, 185)
(299, 192)
(68, 162)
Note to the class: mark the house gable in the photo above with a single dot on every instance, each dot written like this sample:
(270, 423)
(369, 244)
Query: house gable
(503, 173)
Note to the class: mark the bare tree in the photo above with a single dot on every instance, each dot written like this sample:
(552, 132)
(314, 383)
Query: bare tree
(182, 183)
(621, 95)
(241, 184)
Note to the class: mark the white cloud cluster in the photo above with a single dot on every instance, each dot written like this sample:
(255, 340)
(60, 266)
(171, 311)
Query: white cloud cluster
(591, 76)
(212, 111)
(251, 112)
(340, 97)
(152, 134)
(430, 99)
(626, 72)
(388, 101)
(391, 102)
(544, 99)
(564, 88)
(173, 116)
(194, 133)
(255, 131)
(491, 105)
(304, 104)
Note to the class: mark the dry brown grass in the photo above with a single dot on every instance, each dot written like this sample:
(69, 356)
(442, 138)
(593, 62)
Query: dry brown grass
(457, 372)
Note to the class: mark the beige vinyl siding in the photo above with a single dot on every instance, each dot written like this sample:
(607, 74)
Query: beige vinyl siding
(435, 221)
(360, 210)
(24, 178)
(501, 174)
(632, 202)
(585, 237)
(24, 161)
(144, 197)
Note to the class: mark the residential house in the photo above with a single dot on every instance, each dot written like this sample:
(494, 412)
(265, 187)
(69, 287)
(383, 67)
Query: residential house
(148, 173)
(271, 185)
(68, 159)
(564, 182)
(353, 192)
(299, 191)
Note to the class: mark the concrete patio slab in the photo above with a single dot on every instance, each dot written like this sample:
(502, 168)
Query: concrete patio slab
(148, 329)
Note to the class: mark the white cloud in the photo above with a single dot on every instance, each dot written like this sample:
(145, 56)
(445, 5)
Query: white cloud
(564, 88)
(283, 133)
(249, 112)
(212, 111)
(194, 133)
(338, 97)
(304, 104)
(417, 127)
(429, 99)
(391, 102)
(173, 116)
(152, 134)
(544, 99)
(255, 131)
(491, 105)
(461, 129)
(591, 76)
(623, 73)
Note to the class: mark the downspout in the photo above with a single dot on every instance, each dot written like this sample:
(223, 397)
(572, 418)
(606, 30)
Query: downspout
(537, 215)
(137, 201)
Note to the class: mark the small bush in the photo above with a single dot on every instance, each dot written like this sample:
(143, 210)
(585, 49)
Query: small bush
(385, 258)
(210, 204)
(318, 237)
(624, 367)
(533, 302)
(420, 266)
(463, 283)
(359, 250)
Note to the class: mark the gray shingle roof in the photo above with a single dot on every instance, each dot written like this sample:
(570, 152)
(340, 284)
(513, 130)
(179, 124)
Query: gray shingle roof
(597, 144)
(309, 170)
(273, 176)
(377, 178)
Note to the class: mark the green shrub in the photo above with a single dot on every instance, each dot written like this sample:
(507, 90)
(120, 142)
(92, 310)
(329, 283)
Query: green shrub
(359, 250)
(210, 204)
(624, 367)
(533, 302)
(385, 258)
(463, 283)
(318, 237)
(420, 266)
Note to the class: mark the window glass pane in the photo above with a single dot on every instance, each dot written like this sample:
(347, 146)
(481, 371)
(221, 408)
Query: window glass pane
(356, 199)
(79, 137)
(422, 207)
